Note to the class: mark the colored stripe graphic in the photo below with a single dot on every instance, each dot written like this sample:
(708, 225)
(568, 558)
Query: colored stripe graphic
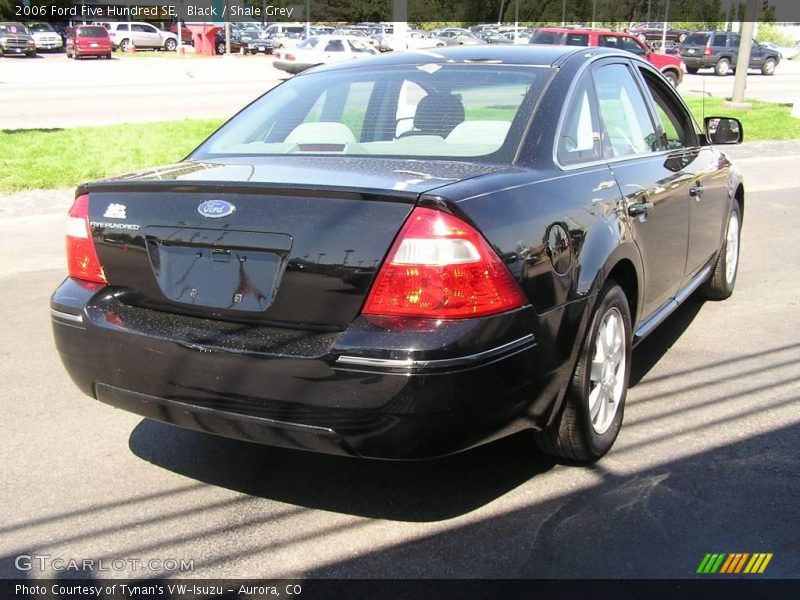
(733, 562)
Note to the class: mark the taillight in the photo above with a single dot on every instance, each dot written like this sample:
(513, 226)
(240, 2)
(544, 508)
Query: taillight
(290, 57)
(442, 268)
(82, 261)
(707, 51)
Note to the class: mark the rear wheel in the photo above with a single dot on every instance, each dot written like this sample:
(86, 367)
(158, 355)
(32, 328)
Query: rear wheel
(220, 47)
(591, 415)
(692, 70)
(672, 76)
(108, 56)
(723, 279)
(170, 45)
(723, 67)
(125, 45)
(768, 68)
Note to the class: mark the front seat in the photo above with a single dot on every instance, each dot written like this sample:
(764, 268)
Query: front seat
(437, 114)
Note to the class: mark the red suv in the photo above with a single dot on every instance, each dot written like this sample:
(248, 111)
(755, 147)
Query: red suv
(88, 40)
(672, 67)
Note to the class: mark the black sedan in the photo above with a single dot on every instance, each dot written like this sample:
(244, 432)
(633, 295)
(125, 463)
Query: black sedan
(406, 256)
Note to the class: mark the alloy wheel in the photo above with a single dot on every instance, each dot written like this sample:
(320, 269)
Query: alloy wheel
(607, 375)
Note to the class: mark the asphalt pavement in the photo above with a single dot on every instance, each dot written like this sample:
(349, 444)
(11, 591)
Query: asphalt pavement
(706, 460)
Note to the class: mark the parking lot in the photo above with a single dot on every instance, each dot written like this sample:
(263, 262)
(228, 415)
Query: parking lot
(53, 91)
(706, 461)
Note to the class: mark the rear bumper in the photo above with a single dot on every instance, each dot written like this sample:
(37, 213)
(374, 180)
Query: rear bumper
(93, 51)
(292, 66)
(698, 62)
(347, 393)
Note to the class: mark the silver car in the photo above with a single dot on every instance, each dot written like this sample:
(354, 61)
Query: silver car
(144, 35)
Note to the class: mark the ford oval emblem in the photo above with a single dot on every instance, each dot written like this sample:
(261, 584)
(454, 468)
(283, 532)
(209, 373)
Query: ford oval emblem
(216, 209)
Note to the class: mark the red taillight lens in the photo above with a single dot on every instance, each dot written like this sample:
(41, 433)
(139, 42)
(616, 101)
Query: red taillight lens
(707, 51)
(82, 261)
(290, 57)
(441, 268)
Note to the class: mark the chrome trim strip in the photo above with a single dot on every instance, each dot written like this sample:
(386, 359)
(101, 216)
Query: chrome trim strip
(667, 309)
(57, 314)
(408, 363)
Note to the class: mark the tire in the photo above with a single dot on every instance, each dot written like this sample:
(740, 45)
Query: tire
(124, 45)
(108, 56)
(170, 45)
(723, 67)
(672, 76)
(221, 48)
(723, 278)
(768, 68)
(594, 403)
(692, 70)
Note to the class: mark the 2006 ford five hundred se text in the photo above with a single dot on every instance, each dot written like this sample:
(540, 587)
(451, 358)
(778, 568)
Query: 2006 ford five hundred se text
(407, 255)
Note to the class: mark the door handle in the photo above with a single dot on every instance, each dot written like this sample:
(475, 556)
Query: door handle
(640, 208)
(697, 191)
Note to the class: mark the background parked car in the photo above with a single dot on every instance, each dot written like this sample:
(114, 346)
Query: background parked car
(254, 38)
(236, 41)
(415, 40)
(144, 35)
(671, 66)
(323, 49)
(454, 36)
(653, 34)
(45, 36)
(88, 40)
(720, 50)
(786, 52)
(15, 39)
(285, 35)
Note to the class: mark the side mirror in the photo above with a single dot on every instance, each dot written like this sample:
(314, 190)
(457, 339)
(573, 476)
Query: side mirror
(724, 130)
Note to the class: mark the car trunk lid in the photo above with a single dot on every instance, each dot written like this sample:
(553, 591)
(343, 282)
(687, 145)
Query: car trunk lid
(294, 243)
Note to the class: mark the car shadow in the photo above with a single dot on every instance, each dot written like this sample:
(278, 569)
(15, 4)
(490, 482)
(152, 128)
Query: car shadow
(429, 490)
(647, 354)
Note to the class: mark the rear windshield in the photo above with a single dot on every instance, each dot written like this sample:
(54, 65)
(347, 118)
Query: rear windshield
(92, 32)
(433, 110)
(696, 39)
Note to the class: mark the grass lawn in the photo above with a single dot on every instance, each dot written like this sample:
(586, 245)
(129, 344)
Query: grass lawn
(767, 121)
(57, 158)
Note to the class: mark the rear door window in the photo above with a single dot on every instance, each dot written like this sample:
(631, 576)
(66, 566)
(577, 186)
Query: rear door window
(628, 128)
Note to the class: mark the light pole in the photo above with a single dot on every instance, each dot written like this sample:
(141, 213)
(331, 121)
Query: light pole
(743, 61)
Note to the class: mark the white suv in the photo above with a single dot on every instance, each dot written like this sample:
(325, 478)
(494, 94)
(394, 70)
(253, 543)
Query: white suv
(144, 36)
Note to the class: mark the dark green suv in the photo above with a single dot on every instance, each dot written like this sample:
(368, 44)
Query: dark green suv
(720, 50)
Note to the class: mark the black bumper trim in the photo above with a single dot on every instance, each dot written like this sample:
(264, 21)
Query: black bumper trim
(224, 423)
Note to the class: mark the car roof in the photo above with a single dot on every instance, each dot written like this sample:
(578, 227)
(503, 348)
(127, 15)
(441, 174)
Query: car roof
(529, 55)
